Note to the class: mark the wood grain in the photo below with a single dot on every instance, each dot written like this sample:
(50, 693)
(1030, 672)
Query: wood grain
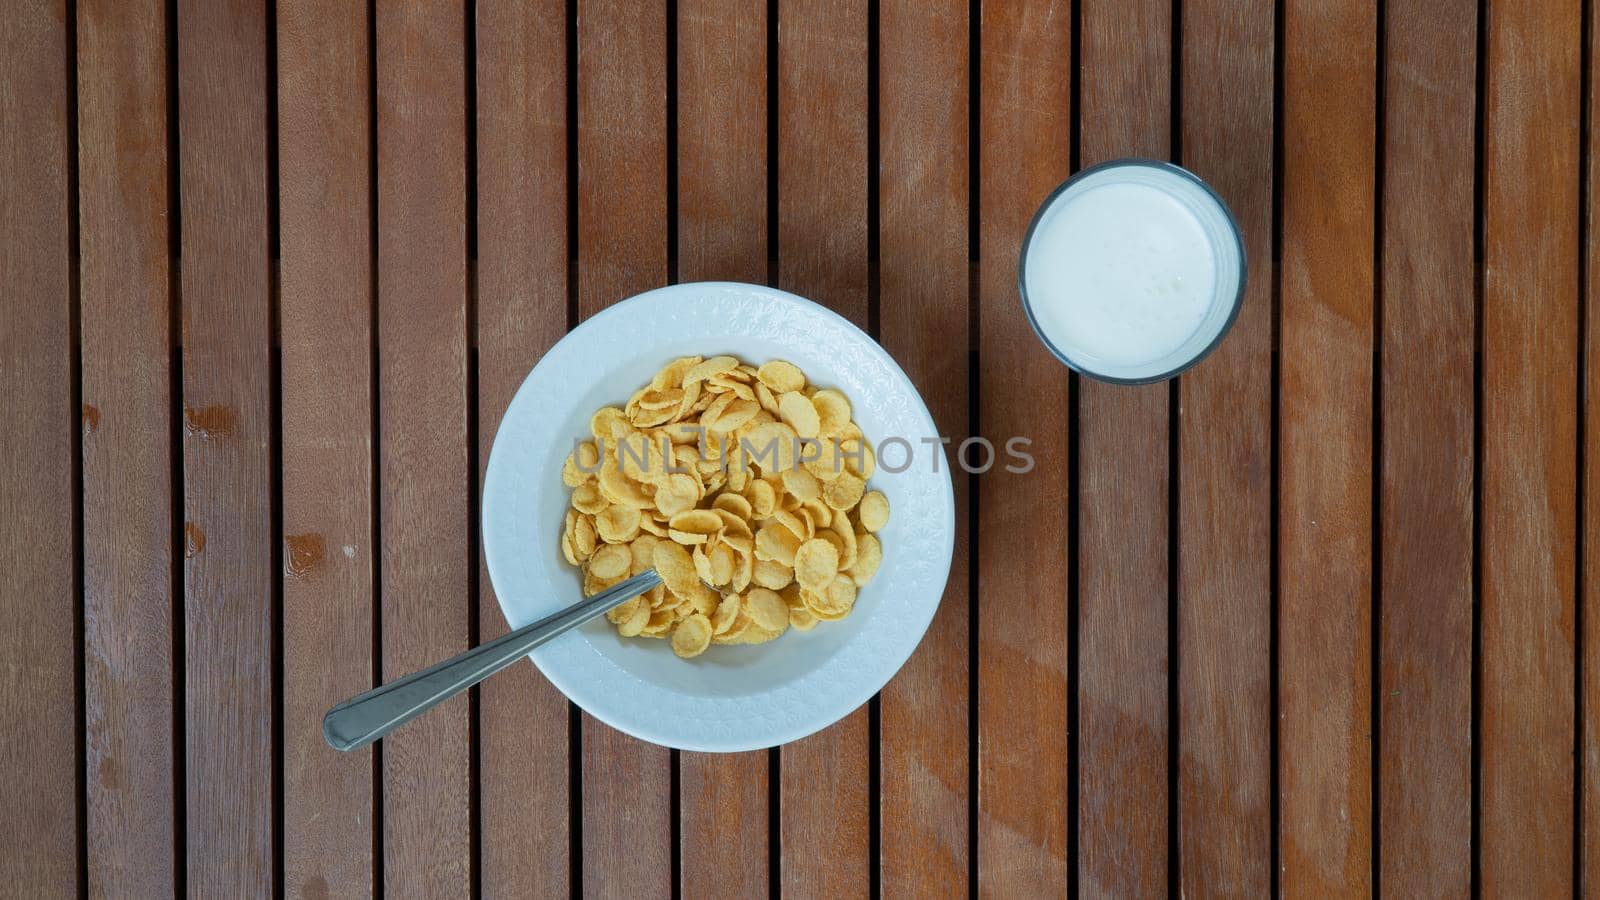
(1024, 673)
(923, 311)
(1123, 481)
(422, 432)
(227, 445)
(1325, 448)
(1225, 478)
(1427, 349)
(622, 150)
(824, 804)
(38, 577)
(326, 329)
(822, 153)
(1588, 770)
(1530, 327)
(622, 250)
(129, 565)
(722, 141)
(722, 161)
(522, 311)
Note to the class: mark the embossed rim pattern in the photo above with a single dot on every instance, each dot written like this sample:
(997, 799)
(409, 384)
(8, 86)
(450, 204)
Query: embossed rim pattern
(896, 607)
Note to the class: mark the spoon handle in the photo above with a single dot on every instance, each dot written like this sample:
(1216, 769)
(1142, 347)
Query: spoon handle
(366, 717)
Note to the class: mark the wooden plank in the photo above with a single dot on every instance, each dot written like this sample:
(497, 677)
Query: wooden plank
(128, 547)
(422, 429)
(227, 445)
(1225, 480)
(1123, 477)
(722, 141)
(822, 153)
(1589, 698)
(622, 155)
(1530, 326)
(722, 235)
(522, 310)
(325, 321)
(923, 303)
(622, 250)
(824, 802)
(1025, 120)
(38, 581)
(1325, 447)
(1224, 583)
(1428, 345)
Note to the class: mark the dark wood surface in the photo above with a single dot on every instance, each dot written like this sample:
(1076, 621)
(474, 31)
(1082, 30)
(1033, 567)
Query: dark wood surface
(425, 492)
(1316, 618)
(230, 429)
(1025, 608)
(1425, 500)
(325, 327)
(131, 572)
(1225, 476)
(1530, 316)
(39, 574)
(1325, 457)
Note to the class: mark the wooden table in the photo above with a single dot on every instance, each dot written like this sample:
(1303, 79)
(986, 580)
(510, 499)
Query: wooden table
(1316, 617)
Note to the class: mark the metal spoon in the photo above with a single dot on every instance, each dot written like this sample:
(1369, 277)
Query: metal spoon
(366, 717)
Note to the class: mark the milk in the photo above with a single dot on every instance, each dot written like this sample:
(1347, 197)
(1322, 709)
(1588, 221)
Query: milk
(1132, 271)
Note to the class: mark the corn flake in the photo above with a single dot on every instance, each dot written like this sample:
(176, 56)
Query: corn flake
(797, 411)
(692, 636)
(874, 511)
(816, 562)
(781, 377)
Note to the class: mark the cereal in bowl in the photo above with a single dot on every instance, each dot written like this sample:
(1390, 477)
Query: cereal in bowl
(744, 487)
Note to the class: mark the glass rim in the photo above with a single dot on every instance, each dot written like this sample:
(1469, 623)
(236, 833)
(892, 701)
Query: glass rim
(1235, 303)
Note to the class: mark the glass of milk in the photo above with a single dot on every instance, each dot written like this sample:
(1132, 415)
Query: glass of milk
(1132, 271)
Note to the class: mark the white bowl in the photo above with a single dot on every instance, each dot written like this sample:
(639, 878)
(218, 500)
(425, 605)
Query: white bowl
(730, 698)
